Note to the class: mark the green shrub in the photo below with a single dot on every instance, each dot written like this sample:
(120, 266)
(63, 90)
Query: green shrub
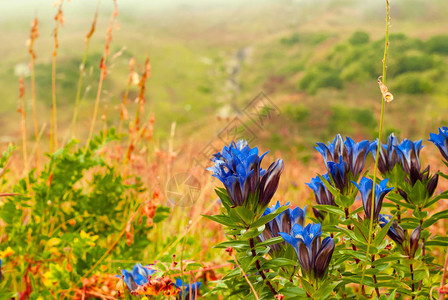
(321, 77)
(412, 83)
(299, 112)
(438, 44)
(291, 40)
(359, 38)
(412, 63)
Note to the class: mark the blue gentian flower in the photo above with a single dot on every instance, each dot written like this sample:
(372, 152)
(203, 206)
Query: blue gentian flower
(357, 153)
(389, 155)
(410, 152)
(352, 153)
(238, 168)
(321, 193)
(365, 187)
(138, 277)
(314, 255)
(282, 223)
(332, 151)
(441, 141)
(339, 173)
(189, 288)
(1, 277)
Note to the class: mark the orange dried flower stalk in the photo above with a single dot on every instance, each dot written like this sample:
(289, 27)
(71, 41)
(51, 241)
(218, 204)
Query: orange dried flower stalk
(59, 18)
(103, 69)
(21, 110)
(34, 34)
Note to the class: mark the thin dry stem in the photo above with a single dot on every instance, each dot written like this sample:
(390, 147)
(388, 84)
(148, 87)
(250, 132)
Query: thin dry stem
(34, 34)
(443, 281)
(21, 110)
(245, 277)
(59, 18)
(123, 111)
(133, 130)
(103, 69)
(81, 70)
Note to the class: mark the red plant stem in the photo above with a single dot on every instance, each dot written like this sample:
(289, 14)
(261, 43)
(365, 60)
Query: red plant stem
(374, 278)
(257, 264)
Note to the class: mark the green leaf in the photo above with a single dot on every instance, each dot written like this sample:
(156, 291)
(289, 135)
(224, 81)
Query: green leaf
(237, 244)
(420, 214)
(221, 219)
(242, 214)
(293, 292)
(253, 232)
(325, 290)
(272, 241)
(434, 218)
(382, 234)
(334, 191)
(222, 194)
(265, 219)
(277, 263)
(331, 209)
(418, 193)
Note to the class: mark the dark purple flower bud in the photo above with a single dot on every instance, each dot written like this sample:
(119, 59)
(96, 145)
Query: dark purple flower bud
(323, 257)
(441, 141)
(269, 182)
(403, 194)
(366, 187)
(415, 237)
(432, 184)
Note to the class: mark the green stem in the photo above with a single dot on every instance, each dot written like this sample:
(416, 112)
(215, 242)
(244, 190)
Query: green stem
(411, 268)
(380, 134)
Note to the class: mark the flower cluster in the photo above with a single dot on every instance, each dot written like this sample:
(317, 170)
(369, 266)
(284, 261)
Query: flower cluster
(282, 223)
(351, 153)
(238, 168)
(313, 253)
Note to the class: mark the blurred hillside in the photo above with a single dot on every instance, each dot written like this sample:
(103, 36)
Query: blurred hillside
(318, 61)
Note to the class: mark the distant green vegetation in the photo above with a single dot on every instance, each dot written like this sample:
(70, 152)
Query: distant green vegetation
(414, 67)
